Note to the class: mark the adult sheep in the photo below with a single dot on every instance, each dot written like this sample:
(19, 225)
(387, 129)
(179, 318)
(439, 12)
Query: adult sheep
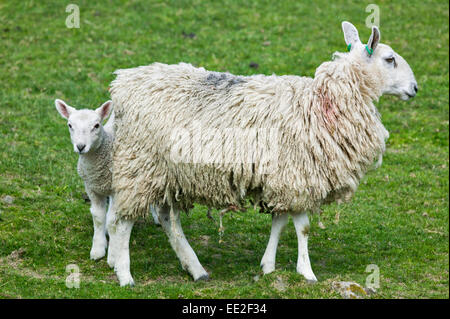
(292, 143)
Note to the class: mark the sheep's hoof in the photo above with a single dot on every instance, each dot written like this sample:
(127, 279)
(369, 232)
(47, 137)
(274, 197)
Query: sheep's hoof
(204, 277)
(308, 275)
(311, 279)
(110, 259)
(267, 268)
(97, 254)
(126, 282)
(111, 263)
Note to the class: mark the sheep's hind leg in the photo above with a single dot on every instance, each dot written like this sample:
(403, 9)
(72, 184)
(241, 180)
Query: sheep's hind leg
(301, 223)
(170, 222)
(268, 260)
(98, 211)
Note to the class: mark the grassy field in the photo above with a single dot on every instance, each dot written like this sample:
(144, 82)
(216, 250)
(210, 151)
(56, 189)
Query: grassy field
(398, 219)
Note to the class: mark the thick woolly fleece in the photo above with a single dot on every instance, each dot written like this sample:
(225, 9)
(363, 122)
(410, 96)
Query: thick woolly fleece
(291, 142)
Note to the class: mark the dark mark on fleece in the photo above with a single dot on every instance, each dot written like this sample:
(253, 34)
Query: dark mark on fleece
(223, 80)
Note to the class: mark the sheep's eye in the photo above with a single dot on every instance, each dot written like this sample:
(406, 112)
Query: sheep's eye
(391, 60)
(70, 126)
(97, 125)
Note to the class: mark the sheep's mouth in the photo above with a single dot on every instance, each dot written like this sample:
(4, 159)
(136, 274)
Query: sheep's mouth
(410, 95)
(406, 96)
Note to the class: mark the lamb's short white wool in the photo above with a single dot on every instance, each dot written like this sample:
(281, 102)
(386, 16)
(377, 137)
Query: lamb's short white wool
(327, 135)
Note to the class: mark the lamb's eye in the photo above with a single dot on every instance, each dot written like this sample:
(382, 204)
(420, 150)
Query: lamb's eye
(70, 126)
(97, 125)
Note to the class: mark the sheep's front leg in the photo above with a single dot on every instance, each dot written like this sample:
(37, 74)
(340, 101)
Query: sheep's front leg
(170, 222)
(268, 260)
(301, 223)
(119, 231)
(111, 224)
(122, 252)
(98, 211)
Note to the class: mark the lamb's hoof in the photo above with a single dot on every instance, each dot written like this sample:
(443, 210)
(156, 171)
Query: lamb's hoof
(311, 281)
(204, 277)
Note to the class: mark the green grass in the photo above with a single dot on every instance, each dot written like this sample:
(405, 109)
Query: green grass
(398, 219)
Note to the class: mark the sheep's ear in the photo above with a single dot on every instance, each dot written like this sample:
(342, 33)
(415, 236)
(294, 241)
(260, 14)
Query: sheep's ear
(374, 39)
(351, 35)
(105, 109)
(63, 109)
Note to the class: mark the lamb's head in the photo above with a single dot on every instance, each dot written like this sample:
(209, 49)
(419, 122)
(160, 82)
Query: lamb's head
(396, 76)
(85, 126)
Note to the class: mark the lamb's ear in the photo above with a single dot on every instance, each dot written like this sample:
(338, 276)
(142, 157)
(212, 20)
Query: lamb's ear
(351, 35)
(105, 109)
(374, 39)
(63, 108)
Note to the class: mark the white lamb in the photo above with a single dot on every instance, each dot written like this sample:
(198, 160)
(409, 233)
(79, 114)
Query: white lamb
(93, 142)
(186, 135)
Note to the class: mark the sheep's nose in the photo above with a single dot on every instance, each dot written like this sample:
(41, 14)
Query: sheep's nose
(416, 88)
(81, 147)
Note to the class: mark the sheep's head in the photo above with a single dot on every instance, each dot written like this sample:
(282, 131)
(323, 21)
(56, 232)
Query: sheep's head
(85, 126)
(395, 74)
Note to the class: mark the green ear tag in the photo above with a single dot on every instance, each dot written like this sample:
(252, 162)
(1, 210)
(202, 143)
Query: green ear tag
(349, 46)
(370, 51)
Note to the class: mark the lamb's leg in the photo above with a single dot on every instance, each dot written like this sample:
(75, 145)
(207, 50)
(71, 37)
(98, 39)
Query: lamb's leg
(268, 260)
(172, 226)
(98, 211)
(301, 223)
